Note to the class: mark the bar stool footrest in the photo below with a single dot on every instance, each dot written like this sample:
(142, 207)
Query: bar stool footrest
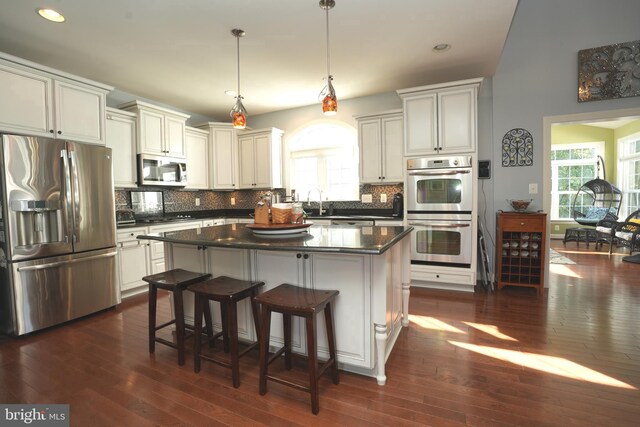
(164, 325)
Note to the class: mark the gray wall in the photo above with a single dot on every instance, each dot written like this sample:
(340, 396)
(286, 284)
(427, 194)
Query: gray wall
(537, 75)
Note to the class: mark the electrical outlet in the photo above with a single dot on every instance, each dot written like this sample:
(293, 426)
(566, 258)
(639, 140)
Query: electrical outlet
(383, 198)
(367, 198)
(197, 201)
(556, 228)
(533, 188)
(233, 201)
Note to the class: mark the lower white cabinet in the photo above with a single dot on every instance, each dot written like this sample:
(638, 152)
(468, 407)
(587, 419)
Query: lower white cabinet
(351, 274)
(220, 262)
(389, 223)
(157, 248)
(213, 222)
(133, 261)
(368, 312)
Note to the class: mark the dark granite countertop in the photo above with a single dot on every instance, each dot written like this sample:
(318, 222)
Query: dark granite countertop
(319, 238)
(355, 214)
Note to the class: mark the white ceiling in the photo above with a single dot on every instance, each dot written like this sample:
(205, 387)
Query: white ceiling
(181, 52)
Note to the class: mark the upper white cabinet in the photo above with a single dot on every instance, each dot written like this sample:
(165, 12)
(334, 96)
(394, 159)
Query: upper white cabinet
(260, 159)
(121, 138)
(160, 131)
(40, 101)
(223, 155)
(197, 150)
(380, 143)
(440, 119)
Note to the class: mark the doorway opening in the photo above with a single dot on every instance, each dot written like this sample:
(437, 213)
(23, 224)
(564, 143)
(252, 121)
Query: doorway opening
(602, 127)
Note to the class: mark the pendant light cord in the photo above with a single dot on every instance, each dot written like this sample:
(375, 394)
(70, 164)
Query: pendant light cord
(238, 56)
(328, 50)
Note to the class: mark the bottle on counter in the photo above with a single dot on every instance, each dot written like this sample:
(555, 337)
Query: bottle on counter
(297, 213)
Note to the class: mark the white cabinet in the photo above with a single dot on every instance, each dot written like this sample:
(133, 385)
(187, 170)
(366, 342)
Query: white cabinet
(440, 119)
(160, 131)
(197, 151)
(213, 222)
(133, 261)
(157, 247)
(260, 159)
(121, 138)
(36, 102)
(389, 223)
(349, 273)
(380, 144)
(223, 155)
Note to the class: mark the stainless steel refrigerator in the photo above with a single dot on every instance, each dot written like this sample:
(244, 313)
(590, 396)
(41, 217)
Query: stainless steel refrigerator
(57, 232)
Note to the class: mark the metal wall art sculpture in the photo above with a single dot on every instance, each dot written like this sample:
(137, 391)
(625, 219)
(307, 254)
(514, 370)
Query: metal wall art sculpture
(609, 72)
(517, 148)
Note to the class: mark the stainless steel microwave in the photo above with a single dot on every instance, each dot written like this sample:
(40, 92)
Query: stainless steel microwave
(161, 171)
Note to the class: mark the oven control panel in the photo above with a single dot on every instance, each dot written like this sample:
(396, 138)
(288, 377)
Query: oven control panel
(439, 162)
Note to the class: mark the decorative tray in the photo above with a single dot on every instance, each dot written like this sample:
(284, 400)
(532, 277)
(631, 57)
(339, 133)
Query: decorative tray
(279, 228)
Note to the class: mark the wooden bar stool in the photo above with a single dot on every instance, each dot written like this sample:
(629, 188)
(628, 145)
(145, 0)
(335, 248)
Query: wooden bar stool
(174, 281)
(227, 291)
(296, 301)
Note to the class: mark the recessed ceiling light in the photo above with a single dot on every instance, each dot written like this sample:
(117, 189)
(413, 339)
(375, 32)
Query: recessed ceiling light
(50, 15)
(230, 92)
(442, 47)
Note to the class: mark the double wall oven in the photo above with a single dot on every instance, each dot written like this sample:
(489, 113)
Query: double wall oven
(439, 208)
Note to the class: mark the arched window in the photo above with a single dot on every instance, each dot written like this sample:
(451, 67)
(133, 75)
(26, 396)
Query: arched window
(324, 156)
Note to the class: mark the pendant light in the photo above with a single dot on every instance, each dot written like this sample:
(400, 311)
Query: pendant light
(238, 112)
(328, 94)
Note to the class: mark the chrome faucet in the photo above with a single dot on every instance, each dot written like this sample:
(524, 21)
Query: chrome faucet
(320, 210)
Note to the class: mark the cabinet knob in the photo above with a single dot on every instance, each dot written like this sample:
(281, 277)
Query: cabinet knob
(50, 130)
(298, 256)
(379, 177)
(438, 276)
(522, 223)
(131, 234)
(435, 148)
(306, 256)
(59, 132)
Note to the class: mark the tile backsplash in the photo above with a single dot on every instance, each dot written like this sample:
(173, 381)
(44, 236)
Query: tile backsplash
(184, 201)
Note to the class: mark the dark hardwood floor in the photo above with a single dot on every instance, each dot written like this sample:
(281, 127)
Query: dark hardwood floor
(570, 357)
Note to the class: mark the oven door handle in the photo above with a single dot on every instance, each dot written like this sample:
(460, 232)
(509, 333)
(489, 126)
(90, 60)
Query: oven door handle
(424, 224)
(454, 172)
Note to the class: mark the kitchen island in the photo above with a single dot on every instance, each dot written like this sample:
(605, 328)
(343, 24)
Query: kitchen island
(369, 266)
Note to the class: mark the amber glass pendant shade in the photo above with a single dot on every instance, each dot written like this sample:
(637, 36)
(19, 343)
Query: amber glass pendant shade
(239, 120)
(329, 105)
(239, 114)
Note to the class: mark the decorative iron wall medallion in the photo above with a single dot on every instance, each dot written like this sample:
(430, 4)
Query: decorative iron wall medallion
(517, 148)
(609, 72)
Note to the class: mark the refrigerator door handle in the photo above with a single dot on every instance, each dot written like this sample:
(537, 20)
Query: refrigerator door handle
(76, 196)
(67, 262)
(66, 178)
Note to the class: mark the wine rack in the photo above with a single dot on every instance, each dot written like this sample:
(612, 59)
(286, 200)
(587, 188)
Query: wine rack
(520, 249)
